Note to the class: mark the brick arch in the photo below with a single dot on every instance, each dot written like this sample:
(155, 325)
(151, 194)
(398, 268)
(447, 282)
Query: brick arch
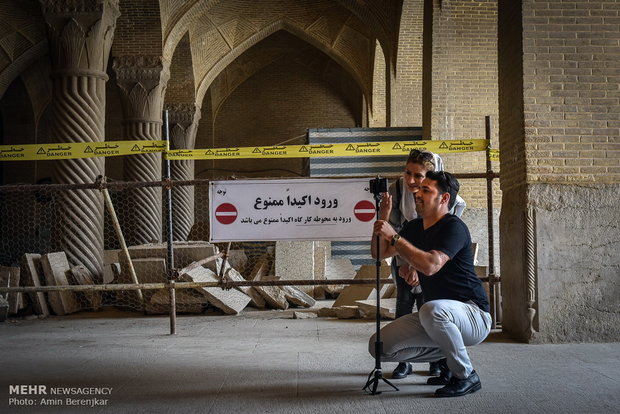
(205, 82)
(277, 48)
(177, 16)
(383, 20)
(381, 17)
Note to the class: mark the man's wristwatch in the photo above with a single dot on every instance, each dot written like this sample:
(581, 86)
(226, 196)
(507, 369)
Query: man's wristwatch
(395, 238)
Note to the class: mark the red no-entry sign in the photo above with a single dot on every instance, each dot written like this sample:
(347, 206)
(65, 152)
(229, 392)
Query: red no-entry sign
(226, 213)
(364, 210)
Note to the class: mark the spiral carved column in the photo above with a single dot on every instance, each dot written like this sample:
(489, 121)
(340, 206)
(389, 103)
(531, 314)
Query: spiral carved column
(530, 260)
(80, 35)
(142, 81)
(183, 126)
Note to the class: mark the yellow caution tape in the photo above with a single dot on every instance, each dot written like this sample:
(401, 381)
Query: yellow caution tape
(331, 150)
(117, 148)
(78, 150)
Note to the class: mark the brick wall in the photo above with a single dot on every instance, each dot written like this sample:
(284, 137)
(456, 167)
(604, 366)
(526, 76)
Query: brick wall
(464, 83)
(572, 99)
(378, 114)
(406, 108)
(138, 29)
(181, 84)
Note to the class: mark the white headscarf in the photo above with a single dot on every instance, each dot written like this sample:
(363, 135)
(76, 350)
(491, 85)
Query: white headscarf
(407, 199)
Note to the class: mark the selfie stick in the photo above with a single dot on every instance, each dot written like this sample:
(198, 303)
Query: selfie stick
(376, 375)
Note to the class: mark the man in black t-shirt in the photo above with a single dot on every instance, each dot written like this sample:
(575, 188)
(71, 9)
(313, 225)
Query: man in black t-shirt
(438, 250)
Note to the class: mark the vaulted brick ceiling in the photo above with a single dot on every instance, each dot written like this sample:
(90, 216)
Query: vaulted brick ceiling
(221, 31)
(283, 47)
(22, 38)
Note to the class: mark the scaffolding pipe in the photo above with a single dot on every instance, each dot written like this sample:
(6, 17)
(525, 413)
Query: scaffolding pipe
(193, 285)
(169, 243)
(490, 230)
(121, 240)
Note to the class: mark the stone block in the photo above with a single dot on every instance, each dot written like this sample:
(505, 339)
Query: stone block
(347, 312)
(297, 297)
(304, 315)
(338, 269)
(273, 295)
(4, 309)
(32, 274)
(80, 275)
(257, 300)
(110, 257)
(352, 293)
(341, 312)
(322, 250)
(16, 300)
(238, 259)
(319, 292)
(184, 252)
(369, 308)
(326, 313)
(261, 268)
(229, 301)
(55, 267)
(370, 271)
(295, 261)
(187, 301)
(149, 270)
(390, 292)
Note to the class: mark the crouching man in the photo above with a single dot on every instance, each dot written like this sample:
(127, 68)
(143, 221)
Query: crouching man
(437, 248)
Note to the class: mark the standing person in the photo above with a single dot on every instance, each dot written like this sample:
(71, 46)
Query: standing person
(398, 209)
(456, 311)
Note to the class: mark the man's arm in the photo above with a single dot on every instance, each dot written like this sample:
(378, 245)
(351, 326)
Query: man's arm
(385, 248)
(428, 263)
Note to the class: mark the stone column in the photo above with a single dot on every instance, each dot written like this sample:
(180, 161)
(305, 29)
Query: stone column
(80, 36)
(560, 171)
(142, 81)
(183, 120)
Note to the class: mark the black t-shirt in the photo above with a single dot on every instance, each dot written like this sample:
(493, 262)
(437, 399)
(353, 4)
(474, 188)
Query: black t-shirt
(457, 279)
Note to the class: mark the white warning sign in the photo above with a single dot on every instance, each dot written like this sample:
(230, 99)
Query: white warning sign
(295, 209)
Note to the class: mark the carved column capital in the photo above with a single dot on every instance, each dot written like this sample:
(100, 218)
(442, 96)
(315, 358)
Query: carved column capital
(80, 34)
(183, 120)
(142, 80)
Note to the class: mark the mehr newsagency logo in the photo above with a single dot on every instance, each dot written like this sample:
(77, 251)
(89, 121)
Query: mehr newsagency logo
(43, 395)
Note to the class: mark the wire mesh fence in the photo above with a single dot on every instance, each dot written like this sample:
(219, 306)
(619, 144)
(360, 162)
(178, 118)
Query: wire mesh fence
(116, 248)
(46, 240)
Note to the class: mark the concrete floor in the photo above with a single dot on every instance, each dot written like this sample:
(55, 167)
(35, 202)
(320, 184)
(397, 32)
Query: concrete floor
(265, 362)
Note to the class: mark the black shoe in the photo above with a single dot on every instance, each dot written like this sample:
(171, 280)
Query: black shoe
(457, 387)
(433, 369)
(444, 374)
(402, 370)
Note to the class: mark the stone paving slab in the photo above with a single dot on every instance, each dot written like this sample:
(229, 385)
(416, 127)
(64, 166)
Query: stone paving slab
(261, 362)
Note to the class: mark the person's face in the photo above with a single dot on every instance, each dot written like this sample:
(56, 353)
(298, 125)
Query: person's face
(428, 200)
(413, 176)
